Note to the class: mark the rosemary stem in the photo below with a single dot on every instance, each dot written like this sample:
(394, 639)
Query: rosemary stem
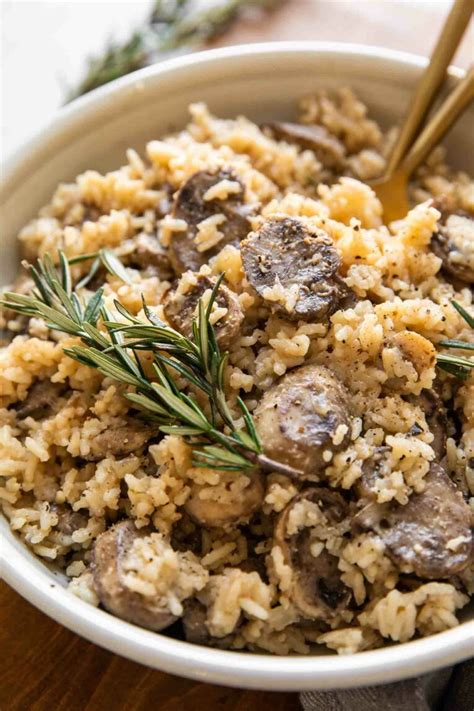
(270, 465)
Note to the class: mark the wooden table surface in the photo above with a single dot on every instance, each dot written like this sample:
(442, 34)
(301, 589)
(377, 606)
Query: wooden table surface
(44, 666)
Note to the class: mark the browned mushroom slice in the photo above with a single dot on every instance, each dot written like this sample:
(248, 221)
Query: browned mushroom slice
(295, 270)
(372, 471)
(180, 309)
(218, 506)
(69, 521)
(430, 535)
(110, 550)
(328, 149)
(303, 415)
(435, 415)
(41, 400)
(195, 628)
(149, 255)
(193, 206)
(453, 243)
(120, 440)
(413, 348)
(316, 587)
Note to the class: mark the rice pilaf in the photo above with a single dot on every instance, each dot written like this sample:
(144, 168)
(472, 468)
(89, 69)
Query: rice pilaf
(234, 554)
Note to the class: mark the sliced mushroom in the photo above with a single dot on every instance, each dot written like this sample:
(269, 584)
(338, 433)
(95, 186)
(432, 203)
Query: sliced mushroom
(302, 416)
(295, 270)
(181, 308)
(316, 587)
(453, 243)
(194, 623)
(109, 553)
(195, 628)
(435, 415)
(327, 148)
(430, 535)
(212, 506)
(413, 348)
(148, 254)
(192, 206)
(41, 400)
(69, 521)
(120, 440)
(372, 471)
(254, 564)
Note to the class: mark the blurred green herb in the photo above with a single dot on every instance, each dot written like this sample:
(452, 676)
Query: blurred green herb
(173, 25)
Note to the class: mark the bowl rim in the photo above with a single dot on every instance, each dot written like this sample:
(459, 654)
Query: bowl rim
(260, 671)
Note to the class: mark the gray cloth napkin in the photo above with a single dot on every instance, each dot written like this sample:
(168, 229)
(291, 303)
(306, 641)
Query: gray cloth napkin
(444, 690)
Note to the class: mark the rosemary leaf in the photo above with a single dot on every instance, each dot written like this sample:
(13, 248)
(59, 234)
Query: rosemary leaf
(221, 454)
(179, 430)
(220, 462)
(456, 365)
(43, 289)
(65, 274)
(114, 265)
(82, 258)
(180, 408)
(113, 352)
(246, 440)
(250, 425)
(217, 466)
(455, 360)
(186, 372)
(147, 403)
(95, 335)
(465, 314)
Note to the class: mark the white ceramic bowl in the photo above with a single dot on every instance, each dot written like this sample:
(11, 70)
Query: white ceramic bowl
(262, 81)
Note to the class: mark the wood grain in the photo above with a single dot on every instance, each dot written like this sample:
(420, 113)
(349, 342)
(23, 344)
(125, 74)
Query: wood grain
(46, 667)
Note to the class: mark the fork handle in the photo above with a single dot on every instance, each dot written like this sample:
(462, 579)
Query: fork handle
(441, 122)
(432, 78)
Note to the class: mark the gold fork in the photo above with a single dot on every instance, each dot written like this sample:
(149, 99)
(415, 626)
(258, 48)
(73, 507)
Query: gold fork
(408, 153)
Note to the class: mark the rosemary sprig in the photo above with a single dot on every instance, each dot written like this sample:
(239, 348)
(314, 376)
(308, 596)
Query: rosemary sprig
(457, 365)
(113, 349)
(171, 26)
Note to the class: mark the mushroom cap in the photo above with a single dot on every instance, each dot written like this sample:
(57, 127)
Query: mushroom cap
(148, 254)
(436, 419)
(69, 520)
(41, 400)
(224, 508)
(191, 206)
(110, 549)
(372, 469)
(298, 418)
(295, 269)
(121, 440)
(316, 587)
(453, 243)
(430, 535)
(180, 309)
(327, 148)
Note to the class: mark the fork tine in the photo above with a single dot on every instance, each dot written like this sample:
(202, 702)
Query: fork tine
(433, 76)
